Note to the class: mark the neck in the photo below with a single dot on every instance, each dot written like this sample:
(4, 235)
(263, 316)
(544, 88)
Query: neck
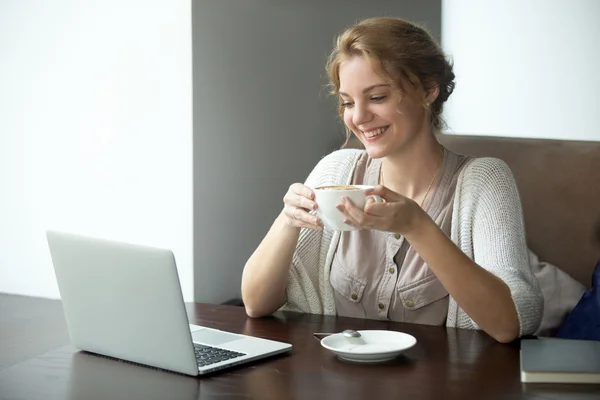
(410, 172)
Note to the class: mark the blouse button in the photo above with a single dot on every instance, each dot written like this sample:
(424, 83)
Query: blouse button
(392, 270)
(381, 306)
(354, 296)
(397, 235)
(409, 303)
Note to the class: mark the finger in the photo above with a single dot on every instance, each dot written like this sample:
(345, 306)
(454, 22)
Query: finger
(370, 203)
(298, 201)
(379, 209)
(348, 222)
(348, 219)
(310, 226)
(355, 215)
(366, 218)
(299, 216)
(303, 202)
(301, 224)
(303, 190)
(291, 198)
(385, 193)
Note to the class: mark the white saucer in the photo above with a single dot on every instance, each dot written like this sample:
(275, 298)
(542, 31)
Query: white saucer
(372, 346)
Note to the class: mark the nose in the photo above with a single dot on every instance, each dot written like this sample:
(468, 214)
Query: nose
(361, 114)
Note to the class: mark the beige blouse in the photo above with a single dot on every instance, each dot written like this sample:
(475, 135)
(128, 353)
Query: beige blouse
(378, 275)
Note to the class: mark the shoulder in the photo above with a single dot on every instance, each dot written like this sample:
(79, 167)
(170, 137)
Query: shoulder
(486, 185)
(340, 160)
(486, 167)
(335, 168)
(342, 156)
(485, 173)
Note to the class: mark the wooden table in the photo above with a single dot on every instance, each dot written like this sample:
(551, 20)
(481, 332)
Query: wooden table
(37, 362)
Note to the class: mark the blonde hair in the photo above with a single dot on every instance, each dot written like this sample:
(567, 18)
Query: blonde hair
(403, 54)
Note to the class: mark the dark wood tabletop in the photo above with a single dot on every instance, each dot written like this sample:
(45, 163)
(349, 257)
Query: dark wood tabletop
(37, 362)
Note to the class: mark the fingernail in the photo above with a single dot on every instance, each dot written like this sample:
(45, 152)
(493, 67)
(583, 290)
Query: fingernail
(339, 207)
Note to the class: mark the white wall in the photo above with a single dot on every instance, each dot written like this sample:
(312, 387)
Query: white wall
(524, 68)
(95, 130)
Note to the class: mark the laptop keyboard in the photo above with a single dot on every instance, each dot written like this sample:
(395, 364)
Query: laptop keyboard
(207, 355)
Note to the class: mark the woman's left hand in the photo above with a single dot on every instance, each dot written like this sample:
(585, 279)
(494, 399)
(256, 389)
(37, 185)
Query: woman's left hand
(397, 214)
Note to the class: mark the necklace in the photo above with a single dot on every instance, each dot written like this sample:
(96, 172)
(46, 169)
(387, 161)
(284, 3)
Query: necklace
(430, 183)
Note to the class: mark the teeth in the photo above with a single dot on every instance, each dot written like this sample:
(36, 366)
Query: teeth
(375, 132)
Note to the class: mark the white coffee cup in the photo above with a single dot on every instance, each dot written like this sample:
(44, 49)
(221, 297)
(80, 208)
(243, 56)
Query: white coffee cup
(328, 197)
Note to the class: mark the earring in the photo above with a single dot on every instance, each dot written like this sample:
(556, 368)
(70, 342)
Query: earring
(427, 105)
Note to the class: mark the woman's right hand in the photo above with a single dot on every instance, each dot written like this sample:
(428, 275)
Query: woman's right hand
(299, 202)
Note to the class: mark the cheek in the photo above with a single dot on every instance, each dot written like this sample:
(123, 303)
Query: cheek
(408, 114)
(347, 117)
(400, 117)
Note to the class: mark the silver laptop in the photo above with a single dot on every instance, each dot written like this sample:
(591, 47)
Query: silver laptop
(124, 301)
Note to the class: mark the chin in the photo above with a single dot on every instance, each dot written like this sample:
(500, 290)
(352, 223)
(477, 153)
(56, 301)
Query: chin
(375, 152)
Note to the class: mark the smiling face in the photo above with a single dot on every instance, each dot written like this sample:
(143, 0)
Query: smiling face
(382, 118)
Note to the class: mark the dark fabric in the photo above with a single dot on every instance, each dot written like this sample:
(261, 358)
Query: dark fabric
(584, 321)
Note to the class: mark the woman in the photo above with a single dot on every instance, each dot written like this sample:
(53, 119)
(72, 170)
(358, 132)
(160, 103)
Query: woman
(448, 244)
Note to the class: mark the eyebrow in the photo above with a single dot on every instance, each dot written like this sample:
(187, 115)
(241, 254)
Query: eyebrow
(367, 89)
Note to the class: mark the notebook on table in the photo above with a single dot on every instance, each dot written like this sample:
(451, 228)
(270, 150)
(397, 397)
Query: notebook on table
(124, 301)
(560, 361)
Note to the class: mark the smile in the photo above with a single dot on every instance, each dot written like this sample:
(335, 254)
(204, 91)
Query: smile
(375, 132)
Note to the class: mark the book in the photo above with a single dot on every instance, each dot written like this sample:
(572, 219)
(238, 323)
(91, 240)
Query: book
(560, 361)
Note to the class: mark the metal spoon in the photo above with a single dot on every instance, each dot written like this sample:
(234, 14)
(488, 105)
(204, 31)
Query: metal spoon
(350, 333)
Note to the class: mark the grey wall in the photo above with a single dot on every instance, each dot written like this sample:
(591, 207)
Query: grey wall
(262, 118)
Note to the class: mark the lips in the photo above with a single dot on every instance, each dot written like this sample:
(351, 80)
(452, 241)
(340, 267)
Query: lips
(374, 133)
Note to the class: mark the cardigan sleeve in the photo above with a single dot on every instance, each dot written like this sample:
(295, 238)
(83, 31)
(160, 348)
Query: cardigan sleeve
(489, 228)
(308, 289)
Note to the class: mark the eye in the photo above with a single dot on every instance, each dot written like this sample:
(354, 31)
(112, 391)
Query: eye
(347, 104)
(378, 98)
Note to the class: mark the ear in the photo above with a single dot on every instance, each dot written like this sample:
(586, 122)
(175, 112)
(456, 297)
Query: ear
(432, 94)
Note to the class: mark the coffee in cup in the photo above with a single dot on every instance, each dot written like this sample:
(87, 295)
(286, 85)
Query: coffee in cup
(340, 187)
(328, 197)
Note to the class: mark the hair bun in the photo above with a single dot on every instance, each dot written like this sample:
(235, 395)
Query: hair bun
(447, 83)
